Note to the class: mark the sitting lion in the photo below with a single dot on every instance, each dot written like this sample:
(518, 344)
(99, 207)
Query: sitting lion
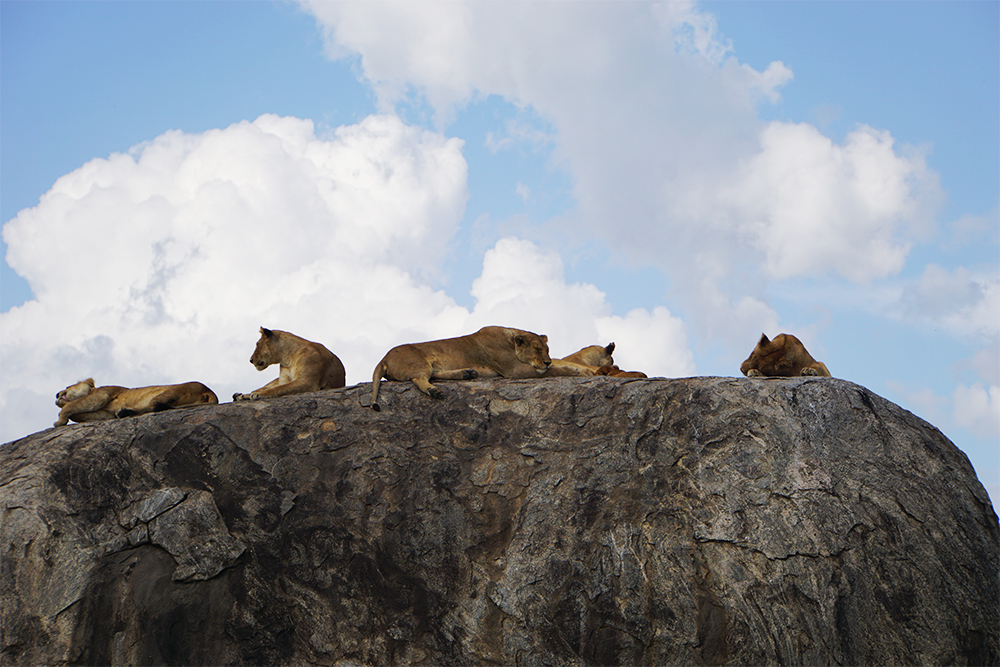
(304, 366)
(614, 371)
(490, 352)
(82, 402)
(785, 356)
(582, 363)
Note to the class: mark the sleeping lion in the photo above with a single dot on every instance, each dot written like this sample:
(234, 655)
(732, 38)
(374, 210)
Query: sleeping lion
(83, 402)
(490, 352)
(785, 356)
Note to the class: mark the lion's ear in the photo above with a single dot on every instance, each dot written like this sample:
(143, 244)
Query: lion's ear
(763, 340)
(519, 339)
(610, 348)
(545, 339)
(266, 332)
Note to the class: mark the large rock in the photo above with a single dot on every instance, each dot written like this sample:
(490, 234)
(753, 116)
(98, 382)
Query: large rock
(535, 522)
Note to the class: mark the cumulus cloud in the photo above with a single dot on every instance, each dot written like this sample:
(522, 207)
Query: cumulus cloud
(656, 120)
(159, 265)
(521, 283)
(811, 206)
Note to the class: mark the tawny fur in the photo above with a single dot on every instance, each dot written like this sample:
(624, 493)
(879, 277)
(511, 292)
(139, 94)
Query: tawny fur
(490, 352)
(84, 402)
(614, 371)
(582, 363)
(304, 366)
(785, 356)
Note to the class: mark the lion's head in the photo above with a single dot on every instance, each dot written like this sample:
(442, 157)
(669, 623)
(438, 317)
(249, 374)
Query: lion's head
(760, 356)
(263, 355)
(532, 349)
(74, 391)
(596, 355)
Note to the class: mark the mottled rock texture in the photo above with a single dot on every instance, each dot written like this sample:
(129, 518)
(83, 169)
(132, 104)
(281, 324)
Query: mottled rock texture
(568, 521)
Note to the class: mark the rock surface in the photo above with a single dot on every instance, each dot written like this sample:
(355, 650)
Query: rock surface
(565, 521)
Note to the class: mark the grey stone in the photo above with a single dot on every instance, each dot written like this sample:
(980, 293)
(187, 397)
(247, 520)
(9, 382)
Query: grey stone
(565, 521)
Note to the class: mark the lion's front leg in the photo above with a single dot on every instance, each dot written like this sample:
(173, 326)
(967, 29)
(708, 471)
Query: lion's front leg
(92, 402)
(258, 393)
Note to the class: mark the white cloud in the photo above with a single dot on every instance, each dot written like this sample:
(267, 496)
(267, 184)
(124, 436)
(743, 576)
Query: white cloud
(159, 266)
(977, 409)
(657, 122)
(521, 283)
(965, 304)
(811, 206)
(652, 342)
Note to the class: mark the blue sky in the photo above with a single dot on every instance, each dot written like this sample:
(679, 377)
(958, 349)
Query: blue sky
(676, 178)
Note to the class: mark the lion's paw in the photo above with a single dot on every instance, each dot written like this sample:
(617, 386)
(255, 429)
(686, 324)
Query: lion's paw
(470, 374)
(809, 371)
(435, 393)
(754, 373)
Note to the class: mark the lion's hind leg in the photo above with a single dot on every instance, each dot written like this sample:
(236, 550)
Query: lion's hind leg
(165, 400)
(424, 384)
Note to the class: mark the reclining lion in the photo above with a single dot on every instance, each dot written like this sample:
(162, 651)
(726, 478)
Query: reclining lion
(304, 366)
(490, 352)
(785, 356)
(83, 402)
(582, 363)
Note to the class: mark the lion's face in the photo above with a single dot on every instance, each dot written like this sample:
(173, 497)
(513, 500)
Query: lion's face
(533, 350)
(74, 391)
(263, 356)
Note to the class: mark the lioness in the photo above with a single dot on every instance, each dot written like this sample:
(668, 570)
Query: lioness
(785, 356)
(82, 402)
(305, 366)
(490, 352)
(582, 363)
(593, 355)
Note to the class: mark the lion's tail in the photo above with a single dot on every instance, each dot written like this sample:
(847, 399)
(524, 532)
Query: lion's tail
(377, 376)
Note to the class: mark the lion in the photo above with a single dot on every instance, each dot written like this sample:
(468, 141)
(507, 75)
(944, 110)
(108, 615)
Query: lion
(84, 402)
(582, 363)
(593, 355)
(785, 356)
(614, 371)
(304, 366)
(490, 352)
